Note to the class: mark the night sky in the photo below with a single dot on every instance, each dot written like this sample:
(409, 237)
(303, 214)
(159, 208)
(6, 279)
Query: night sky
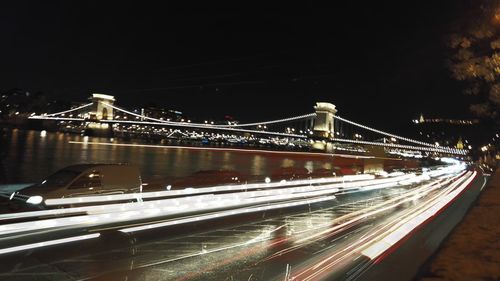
(380, 63)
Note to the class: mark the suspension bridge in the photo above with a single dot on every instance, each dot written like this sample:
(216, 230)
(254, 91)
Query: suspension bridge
(323, 129)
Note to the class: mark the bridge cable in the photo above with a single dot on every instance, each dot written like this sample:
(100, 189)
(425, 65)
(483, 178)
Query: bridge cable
(382, 132)
(202, 125)
(70, 110)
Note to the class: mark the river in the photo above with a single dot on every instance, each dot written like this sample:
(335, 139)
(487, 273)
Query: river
(28, 156)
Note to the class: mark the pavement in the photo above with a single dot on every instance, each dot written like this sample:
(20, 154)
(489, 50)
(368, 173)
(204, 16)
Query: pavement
(472, 251)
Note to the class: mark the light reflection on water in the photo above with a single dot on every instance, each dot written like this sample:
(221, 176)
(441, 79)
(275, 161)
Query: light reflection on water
(28, 156)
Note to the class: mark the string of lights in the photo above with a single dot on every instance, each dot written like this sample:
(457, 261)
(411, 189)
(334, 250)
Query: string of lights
(383, 133)
(70, 110)
(429, 149)
(221, 126)
(56, 118)
(272, 122)
(139, 115)
(190, 125)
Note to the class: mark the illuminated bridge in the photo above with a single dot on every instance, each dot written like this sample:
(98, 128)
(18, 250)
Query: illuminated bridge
(323, 130)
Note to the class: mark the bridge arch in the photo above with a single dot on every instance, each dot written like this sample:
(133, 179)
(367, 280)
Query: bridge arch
(105, 113)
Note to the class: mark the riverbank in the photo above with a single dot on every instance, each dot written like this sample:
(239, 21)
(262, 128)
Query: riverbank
(472, 251)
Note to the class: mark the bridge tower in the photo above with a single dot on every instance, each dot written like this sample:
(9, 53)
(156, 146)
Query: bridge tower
(101, 108)
(323, 123)
(324, 129)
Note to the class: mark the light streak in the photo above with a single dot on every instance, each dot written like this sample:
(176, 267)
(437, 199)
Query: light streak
(352, 220)
(48, 243)
(360, 179)
(484, 184)
(325, 264)
(99, 215)
(408, 226)
(224, 214)
(180, 205)
(232, 149)
(321, 268)
(344, 182)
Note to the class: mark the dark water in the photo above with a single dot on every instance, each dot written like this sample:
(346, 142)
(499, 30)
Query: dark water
(28, 156)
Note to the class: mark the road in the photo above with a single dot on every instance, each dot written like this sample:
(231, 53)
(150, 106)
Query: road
(293, 231)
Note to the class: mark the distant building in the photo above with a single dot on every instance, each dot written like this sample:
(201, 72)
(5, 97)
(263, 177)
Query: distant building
(421, 120)
(459, 133)
(17, 102)
(161, 113)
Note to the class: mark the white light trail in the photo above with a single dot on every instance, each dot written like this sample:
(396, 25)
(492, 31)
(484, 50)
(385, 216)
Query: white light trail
(350, 220)
(159, 208)
(409, 225)
(361, 181)
(231, 149)
(48, 243)
(357, 180)
(302, 188)
(224, 214)
(99, 215)
(213, 206)
(325, 265)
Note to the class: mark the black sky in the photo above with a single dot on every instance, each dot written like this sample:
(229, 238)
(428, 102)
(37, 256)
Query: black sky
(380, 63)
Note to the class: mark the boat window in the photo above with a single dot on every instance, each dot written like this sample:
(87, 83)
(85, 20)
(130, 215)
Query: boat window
(88, 180)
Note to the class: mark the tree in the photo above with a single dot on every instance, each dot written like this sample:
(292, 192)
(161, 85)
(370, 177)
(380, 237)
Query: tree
(475, 56)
